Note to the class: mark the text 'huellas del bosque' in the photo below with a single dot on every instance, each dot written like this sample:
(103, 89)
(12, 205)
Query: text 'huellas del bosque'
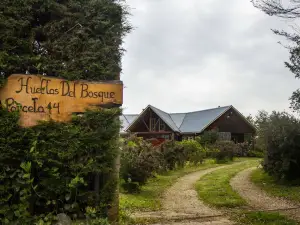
(68, 89)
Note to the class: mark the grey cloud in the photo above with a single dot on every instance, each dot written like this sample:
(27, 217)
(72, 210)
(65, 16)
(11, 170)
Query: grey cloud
(184, 57)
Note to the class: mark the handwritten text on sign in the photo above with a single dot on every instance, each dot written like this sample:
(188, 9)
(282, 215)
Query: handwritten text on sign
(44, 98)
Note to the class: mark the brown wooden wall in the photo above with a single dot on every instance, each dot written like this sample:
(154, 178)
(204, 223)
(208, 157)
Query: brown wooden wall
(232, 122)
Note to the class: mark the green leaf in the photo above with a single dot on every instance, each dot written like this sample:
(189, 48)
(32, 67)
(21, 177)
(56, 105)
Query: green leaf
(32, 149)
(17, 213)
(26, 175)
(26, 166)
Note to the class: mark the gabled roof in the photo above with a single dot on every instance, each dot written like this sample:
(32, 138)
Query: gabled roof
(191, 122)
(165, 117)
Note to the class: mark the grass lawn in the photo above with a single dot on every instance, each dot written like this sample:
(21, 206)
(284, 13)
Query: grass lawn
(149, 199)
(215, 190)
(267, 183)
(262, 218)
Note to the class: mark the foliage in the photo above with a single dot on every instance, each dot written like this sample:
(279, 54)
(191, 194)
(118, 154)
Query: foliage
(34, 160)
(69, 39)
(225, 151)
(244, 149)
(172, 155)
(282, 159)
(270, 185)
(261, 122)
(208, 138)
(215, 189)
(52, 167)
(140, 159)
(194, 152)
(258, 153)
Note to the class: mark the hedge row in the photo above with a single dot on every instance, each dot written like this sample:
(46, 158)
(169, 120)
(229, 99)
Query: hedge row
(140, 160)
(50, 168)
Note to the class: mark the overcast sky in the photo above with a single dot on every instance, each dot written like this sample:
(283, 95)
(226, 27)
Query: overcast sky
(188, 55)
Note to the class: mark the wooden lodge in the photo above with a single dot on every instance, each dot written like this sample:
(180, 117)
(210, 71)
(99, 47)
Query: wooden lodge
(153, 123)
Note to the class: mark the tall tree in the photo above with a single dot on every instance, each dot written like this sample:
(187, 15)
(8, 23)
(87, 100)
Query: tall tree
(289, 9)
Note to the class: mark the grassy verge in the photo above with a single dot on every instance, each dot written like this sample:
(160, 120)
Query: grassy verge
(262, 218)
(267, 183)
(215, 189)
(149, 199)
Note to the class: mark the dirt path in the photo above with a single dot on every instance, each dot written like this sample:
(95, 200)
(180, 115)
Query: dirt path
(259, 199)
(181, 204)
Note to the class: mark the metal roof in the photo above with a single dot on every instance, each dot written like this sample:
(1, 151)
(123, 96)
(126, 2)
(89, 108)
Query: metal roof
(195, 122)
(165, 117)
(126, 120)
(178, 118)
(191, 122)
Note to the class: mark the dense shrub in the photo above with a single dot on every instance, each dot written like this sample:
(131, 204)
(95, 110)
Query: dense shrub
(139, 159)
(282, 159)
(208, 138)
(51, 168)
(244, 149)
(194, 152)
(173, 155)
(225, 150)
(256, 152)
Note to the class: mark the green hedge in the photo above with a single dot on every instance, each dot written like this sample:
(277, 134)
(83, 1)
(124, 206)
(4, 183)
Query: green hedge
(50, 168)
(78, 39)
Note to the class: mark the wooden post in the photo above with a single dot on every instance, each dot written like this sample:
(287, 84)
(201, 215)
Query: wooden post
(113, 212)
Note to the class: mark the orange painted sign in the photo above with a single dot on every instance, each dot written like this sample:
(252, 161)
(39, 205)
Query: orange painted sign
(44, 98)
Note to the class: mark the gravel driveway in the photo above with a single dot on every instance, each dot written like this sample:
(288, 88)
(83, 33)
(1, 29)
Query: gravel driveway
(181, 204)
(259, 199)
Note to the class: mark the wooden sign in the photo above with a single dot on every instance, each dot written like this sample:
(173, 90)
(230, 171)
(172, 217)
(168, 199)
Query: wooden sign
(43, 98)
